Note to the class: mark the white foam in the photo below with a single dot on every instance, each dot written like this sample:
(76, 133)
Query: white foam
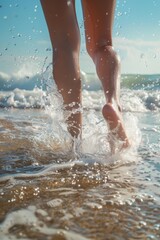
(22, 98)
(27, 217)
(49, 168)
(131, 100)
(55, 203)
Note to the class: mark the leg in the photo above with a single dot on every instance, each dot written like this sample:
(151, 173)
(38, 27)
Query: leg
(98, 20)
(64, 33)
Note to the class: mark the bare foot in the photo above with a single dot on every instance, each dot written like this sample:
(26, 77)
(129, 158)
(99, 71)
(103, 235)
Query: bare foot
(116, 127)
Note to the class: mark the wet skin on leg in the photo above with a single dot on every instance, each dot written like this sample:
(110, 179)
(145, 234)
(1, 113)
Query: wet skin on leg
(65, 38)
(98, 21)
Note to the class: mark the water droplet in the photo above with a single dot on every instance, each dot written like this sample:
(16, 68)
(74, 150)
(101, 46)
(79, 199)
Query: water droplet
(68, 2)
(157, 226)
(119, 14)
(48, 49)
(151, 237)
(142, 223)
(5, 17)
(89, 39)
(19, 35)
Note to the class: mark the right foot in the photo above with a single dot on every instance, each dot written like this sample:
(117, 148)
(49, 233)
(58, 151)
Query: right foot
(115, 126)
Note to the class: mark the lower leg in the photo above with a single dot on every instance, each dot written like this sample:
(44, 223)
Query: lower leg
(98, 16)
(67, 77)
(108, 68)
(65, 37)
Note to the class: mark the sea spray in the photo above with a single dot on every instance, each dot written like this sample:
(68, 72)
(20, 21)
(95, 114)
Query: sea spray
(95, 132)
(54, 133)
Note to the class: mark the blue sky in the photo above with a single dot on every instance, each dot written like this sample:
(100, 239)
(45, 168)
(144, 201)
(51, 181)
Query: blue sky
(25, 43)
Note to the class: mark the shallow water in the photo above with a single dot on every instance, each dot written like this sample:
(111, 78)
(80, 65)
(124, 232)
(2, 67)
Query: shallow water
(49, 192)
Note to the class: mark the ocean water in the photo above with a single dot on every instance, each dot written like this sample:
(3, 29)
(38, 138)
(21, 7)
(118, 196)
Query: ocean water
(51, 189)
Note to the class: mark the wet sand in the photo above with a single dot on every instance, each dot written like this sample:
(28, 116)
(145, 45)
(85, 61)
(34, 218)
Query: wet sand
(46, 194)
